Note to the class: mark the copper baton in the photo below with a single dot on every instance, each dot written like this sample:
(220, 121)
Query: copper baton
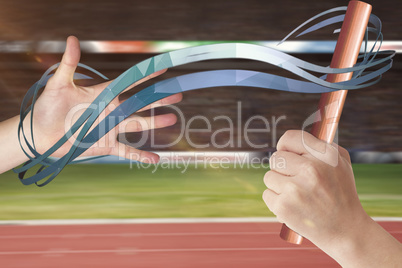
(331, 104)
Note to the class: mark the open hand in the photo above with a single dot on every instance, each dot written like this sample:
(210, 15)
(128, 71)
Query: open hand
(53, 112)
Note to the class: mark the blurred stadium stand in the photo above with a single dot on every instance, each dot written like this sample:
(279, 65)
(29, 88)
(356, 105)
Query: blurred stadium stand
(371, 118)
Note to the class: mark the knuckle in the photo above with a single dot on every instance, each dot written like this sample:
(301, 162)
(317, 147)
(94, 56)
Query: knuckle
(290, 188)
(332, 155)
(332, 151)
(269, 179)
(280, 208)
(265, 196)
(310, 170)
(274, 207)
(266, 178)
(272, 204)
(272, 159)
(290, 134)
(267, 200)
(343, 152)
(284, 138)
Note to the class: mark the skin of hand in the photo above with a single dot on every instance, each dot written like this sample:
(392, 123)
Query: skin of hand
(318, 199)
(54, 115)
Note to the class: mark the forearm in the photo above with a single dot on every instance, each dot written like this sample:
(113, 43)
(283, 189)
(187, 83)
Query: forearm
(11, 154)
(366, 244)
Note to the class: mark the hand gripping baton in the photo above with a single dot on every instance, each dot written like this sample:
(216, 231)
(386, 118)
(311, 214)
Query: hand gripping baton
(331, 104)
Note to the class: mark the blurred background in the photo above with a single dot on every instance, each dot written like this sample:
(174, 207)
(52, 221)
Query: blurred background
(30, 30)
(115, 35)
(118, 34)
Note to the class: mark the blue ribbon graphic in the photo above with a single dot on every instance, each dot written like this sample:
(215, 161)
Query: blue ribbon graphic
(374, 60)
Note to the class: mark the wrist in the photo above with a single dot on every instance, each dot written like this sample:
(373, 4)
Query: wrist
(345, 240)
(349, 247)
(365, 244)
(10, 144)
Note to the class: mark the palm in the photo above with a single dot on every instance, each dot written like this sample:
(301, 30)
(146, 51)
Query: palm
(62, 102)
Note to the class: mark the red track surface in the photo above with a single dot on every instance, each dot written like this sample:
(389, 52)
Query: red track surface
(248, 245)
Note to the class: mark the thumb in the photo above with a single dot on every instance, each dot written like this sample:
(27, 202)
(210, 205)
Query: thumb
(65, 73)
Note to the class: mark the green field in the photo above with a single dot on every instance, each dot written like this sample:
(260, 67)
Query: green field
(116, 191)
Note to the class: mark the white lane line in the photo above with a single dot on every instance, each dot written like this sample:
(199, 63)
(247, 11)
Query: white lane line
(131, 235)
(82, 235)
(137, 221)
(158, 221)
(121, 251)
(397, 219)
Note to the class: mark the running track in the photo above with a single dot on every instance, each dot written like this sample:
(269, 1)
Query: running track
(210, 244)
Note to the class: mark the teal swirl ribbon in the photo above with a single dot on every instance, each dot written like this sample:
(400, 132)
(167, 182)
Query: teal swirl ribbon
(368, 71)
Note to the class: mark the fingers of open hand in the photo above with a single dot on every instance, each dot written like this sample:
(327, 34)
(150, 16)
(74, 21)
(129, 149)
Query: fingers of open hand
(103, 85)
(133, 154)
(163, 102)
(155, 74)
(138, 123)
(65, 72)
